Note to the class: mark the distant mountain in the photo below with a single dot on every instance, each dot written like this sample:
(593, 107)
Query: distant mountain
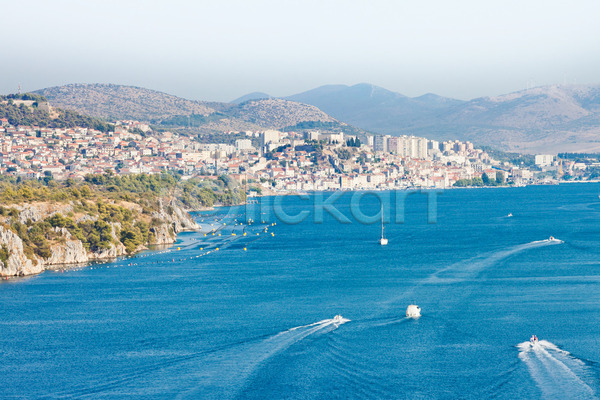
(372, 107)
(278, 113)
(547, 107)
(121, 102)
(434, 101)
(251, 96)
(544, 119)
(550, 118)
(115, 102)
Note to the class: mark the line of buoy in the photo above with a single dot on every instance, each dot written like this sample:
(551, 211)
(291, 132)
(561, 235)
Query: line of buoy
(193, 257)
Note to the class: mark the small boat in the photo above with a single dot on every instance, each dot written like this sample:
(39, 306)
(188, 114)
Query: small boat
(383, 241)
(551, 239)
(338, 319)
(509, 215)
(533, 340)
(413, 311)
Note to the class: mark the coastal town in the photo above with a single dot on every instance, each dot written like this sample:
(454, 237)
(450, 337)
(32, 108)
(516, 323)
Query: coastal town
(271, 160)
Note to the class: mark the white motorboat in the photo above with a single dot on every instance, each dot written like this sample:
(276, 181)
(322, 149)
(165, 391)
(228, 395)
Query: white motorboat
(509, 215)
(338, 319)
(533, 340)
(413, 311)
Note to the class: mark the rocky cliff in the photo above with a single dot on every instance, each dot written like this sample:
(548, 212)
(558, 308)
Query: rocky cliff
(16, 260)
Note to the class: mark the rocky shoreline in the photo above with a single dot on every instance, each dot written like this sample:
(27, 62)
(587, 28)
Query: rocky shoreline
(68, 250)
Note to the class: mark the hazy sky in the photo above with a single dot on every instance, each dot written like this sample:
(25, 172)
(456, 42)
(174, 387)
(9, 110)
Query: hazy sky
(219, 50)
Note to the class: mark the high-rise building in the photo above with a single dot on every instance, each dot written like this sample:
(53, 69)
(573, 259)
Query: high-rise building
(421, 147)
(543, 160)
(243, 144)
(370, 141)
(269, 136)
(380, 143)
(394, 145)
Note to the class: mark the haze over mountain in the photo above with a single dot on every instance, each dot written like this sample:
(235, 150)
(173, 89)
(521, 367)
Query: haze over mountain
(544, 119)
(383, 111)
(117, 102)
(252, 96)
(121, 102)
(550, 118)
(278, 113)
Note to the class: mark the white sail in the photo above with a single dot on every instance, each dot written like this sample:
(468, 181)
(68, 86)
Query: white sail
(383, 241)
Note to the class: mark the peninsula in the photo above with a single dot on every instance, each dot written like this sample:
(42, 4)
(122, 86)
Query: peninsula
(47, 223)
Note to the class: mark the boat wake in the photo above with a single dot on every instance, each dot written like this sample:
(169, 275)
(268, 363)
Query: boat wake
(224, 374)
(383, 322)
(468, 269)
(447, 278)
(556, 372)
(219, 372)
(336, 321)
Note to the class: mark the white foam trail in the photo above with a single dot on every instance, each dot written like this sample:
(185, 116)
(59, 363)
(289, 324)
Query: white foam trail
(323, 322)
(467, 269)
(391, 321)
(225, 373)
(556, 372)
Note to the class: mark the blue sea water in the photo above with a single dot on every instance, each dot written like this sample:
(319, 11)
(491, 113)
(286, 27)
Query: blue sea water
(257, 323)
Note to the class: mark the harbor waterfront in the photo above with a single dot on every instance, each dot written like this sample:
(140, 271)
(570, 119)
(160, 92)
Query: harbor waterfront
(316, 307)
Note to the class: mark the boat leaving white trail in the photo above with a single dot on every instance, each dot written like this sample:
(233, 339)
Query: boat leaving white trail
(556, 372)
(465, 270)
(226, 373)
(470, 268)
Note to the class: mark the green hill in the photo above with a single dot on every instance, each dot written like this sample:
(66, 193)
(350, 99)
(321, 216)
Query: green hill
(33, 109)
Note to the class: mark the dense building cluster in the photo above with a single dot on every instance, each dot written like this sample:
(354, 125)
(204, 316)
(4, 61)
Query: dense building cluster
(273, 160)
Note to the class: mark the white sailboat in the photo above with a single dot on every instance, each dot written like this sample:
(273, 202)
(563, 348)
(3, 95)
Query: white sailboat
(383, 241)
